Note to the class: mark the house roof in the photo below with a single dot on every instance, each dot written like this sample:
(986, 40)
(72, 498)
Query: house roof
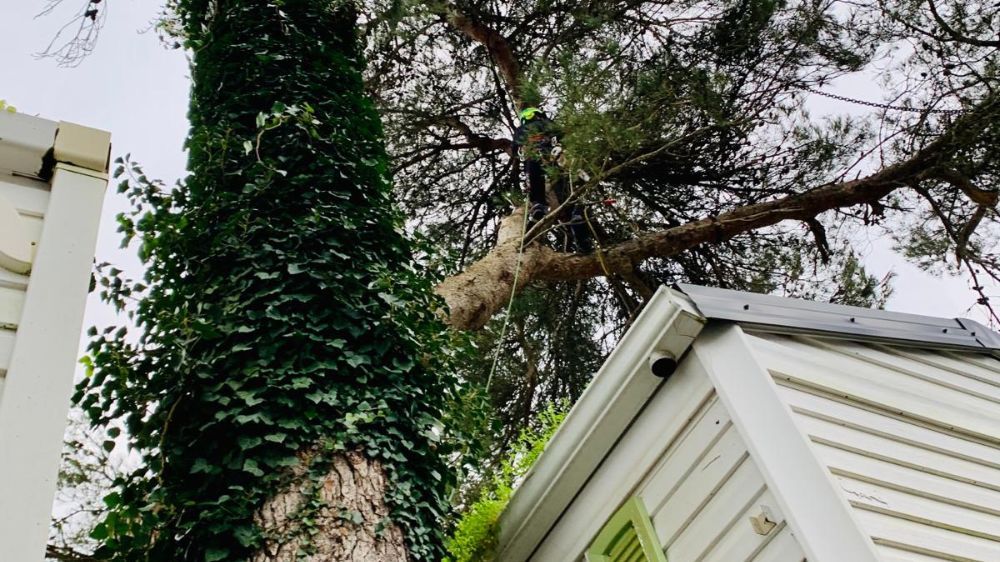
(669, 324)
(786, 315)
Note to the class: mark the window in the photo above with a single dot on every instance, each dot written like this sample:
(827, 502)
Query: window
(627, 537)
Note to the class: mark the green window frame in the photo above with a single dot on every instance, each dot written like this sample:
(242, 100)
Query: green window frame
(627, 537)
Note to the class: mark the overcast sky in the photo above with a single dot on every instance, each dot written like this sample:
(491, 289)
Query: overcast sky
(138, 90)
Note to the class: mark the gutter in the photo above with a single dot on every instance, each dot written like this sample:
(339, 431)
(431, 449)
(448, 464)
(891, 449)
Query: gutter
(657, 340)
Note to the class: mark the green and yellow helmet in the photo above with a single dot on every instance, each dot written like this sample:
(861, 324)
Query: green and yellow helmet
(528, 113)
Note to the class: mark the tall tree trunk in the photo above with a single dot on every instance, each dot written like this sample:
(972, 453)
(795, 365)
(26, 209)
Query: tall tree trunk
(290, 383)
(349, 524)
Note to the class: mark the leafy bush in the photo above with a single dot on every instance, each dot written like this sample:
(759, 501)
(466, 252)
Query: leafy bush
(477, 531)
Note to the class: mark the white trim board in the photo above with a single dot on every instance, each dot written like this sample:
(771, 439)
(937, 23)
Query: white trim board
(816, 511)
(40, 364)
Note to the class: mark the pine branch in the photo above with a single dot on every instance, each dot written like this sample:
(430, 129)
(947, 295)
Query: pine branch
(474, 295)
(67, 554)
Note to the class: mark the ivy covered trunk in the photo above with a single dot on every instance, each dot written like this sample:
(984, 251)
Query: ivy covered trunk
(287, 386)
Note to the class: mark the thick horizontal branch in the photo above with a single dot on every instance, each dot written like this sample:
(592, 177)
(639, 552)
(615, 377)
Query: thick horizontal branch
(480, 291)
(476, 294)
(712, 230)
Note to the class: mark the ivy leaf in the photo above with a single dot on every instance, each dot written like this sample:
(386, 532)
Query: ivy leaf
(301, 382)
(112, 500)
(355, 360)
(216, 554)
(252, 467)
(100, 532)
(245, 535)
(247, 442)
(201, 465)
(249, 397)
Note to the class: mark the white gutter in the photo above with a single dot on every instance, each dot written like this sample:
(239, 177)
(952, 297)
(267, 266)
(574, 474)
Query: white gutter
(665, 328)
(24, 142)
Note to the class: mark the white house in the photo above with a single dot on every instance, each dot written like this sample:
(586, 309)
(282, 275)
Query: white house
(773, 430)
(52, 181)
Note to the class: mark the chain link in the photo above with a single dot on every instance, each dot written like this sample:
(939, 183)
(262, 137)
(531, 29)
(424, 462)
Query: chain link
(885, 105)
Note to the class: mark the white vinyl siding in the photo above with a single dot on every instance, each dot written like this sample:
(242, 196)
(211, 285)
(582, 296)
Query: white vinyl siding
(700, 488)
(911, 437)
(782, 548)
(667, 417)
(703, 492)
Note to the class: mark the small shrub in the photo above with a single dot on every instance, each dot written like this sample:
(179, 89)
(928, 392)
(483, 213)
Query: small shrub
(478, 530)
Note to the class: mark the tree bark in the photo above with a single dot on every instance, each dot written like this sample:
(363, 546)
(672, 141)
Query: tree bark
(482, 289)
(497, 46)
(341, 517)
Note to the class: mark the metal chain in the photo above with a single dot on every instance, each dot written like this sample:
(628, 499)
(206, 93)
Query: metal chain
(885, 105)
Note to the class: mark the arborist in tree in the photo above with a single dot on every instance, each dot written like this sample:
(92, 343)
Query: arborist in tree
(536, 141)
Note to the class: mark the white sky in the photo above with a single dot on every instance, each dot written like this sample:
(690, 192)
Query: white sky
(138, 90)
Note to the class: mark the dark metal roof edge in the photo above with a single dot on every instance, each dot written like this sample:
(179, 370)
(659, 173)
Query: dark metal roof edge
(985, 336)
(788, 315)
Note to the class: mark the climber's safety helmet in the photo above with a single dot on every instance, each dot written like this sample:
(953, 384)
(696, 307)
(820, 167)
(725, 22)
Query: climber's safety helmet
(528, 113)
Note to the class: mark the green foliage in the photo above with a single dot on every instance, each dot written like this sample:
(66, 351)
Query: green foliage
(925, 245)
(282, 316)
(855, 287)
(476, 534)
(551, 351)
(842, 279)
(4, 106)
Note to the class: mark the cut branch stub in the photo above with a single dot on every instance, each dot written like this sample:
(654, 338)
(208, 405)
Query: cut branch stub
(476, 294)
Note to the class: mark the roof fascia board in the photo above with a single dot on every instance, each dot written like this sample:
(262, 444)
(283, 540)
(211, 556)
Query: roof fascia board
(668, 324)
(819, 515)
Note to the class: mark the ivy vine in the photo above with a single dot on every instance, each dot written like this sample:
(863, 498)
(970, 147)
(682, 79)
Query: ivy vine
(281, 310)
